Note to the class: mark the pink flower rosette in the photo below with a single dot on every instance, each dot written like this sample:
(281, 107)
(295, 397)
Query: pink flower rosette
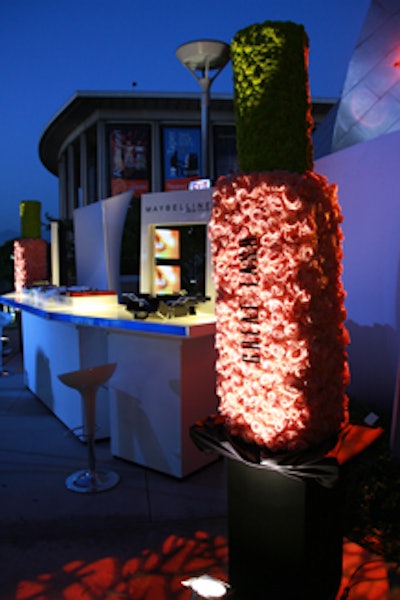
(282, 363)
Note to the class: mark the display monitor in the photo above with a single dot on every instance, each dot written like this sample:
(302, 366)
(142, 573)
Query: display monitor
(167, 243)
(180, 262)
(167, 279)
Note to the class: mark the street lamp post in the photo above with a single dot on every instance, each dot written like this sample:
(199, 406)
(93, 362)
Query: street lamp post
(202, 57)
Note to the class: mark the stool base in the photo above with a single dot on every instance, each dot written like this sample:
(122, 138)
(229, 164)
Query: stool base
(91, 482)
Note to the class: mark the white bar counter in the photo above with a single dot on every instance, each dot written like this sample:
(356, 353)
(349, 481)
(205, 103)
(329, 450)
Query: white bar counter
(163, 383)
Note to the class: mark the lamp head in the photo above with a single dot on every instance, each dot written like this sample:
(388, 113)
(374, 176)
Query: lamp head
(204, 55)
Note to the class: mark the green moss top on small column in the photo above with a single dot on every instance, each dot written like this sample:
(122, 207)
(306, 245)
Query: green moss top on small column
(29, 212)
(272, 97)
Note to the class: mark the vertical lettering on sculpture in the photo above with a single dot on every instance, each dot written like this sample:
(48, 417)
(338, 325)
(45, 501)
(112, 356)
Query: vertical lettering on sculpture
(249, 314)
(248, 258)
(250, 340)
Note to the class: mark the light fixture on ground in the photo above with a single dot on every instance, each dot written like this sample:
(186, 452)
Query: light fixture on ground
(205, 59)
(206, 587)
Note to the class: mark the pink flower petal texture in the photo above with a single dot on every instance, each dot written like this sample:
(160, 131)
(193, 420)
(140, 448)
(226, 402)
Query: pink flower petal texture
(282, 369)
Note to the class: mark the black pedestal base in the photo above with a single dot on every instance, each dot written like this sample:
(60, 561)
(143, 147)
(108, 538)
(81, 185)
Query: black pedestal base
(285, 536)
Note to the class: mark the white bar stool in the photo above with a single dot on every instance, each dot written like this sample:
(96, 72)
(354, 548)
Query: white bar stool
(87, 382)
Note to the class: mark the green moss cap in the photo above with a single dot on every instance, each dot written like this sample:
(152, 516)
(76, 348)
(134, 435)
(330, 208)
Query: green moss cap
(272, 97)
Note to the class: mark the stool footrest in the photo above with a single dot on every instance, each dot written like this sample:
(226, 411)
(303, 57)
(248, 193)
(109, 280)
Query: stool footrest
(79, 432)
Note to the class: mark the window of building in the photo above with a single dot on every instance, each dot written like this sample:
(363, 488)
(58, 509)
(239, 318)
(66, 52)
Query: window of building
(181, 157)
(129, 158)
(225, 154)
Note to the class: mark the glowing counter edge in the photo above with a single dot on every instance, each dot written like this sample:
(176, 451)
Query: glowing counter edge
(196, 326)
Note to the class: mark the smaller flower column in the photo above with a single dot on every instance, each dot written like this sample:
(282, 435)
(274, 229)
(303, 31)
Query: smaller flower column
(30, 251)
(30, 262)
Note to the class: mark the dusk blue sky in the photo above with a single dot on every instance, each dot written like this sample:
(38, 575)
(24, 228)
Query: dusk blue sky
(49, 49)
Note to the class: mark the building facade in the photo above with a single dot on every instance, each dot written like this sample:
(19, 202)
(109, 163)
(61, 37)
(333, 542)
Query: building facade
(102, 143)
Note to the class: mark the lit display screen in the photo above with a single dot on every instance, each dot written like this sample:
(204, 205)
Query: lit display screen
(179, 259)
(167, 243)
(167, 279)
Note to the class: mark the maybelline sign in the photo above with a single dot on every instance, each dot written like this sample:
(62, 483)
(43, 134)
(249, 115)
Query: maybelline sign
(172, 208)
(176, 207)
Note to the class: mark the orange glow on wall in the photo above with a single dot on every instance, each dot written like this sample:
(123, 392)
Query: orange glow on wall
(365, 575)
(282, 366)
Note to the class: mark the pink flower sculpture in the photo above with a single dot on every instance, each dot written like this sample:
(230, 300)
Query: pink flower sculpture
(282, 363)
